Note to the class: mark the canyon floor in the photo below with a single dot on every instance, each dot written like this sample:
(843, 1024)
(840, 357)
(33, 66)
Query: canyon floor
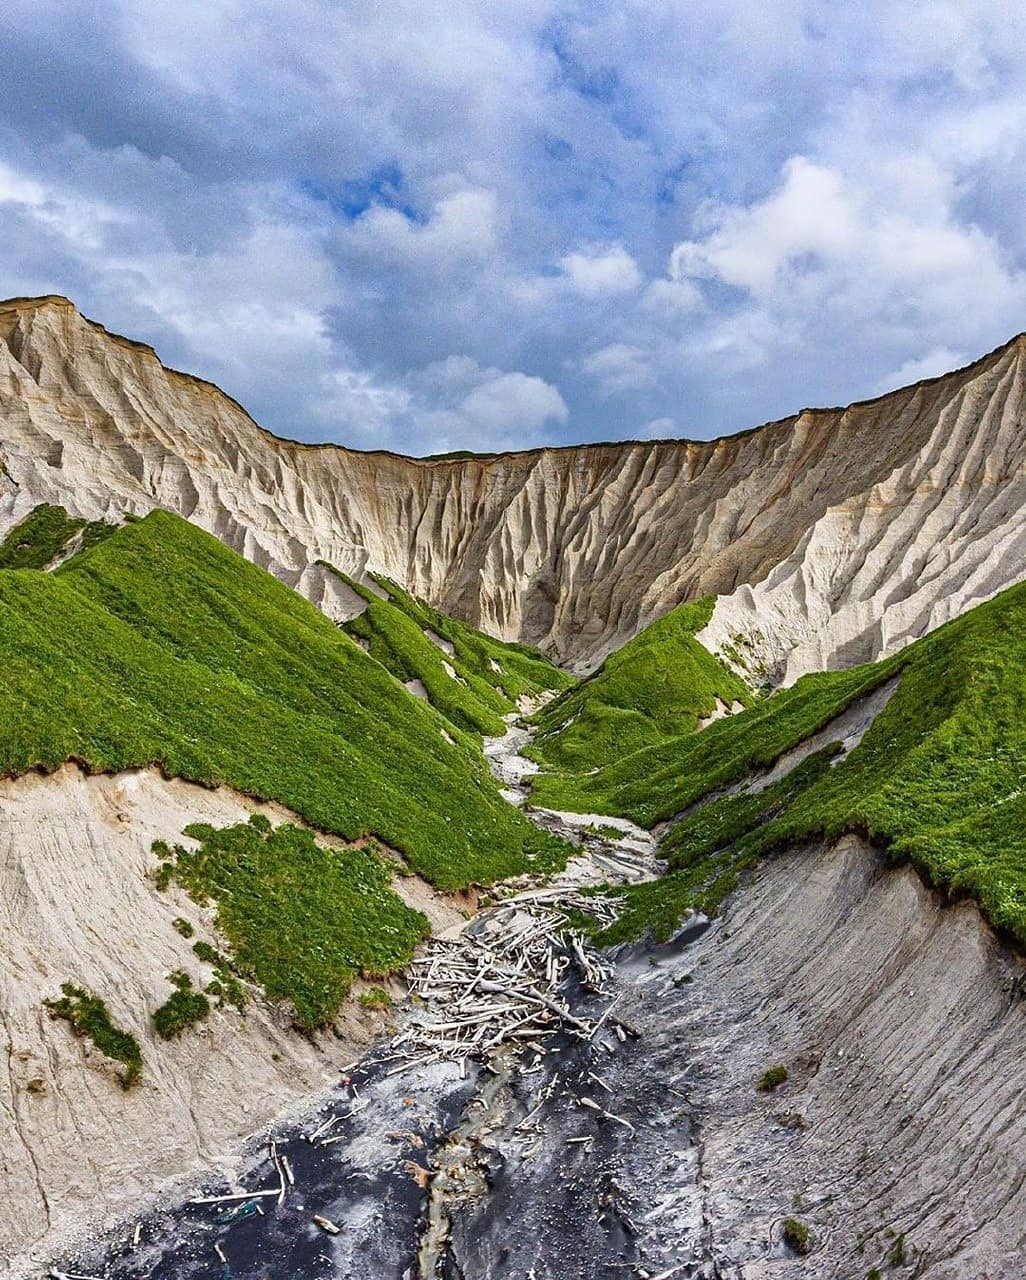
(902, 1027)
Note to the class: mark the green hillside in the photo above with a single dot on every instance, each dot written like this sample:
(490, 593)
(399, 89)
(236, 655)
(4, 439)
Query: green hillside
(657, 686)
(937, 778)
(43, 534)
(160, 645)
(488, 675)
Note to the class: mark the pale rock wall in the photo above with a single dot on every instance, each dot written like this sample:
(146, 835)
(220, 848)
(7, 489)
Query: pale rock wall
(902, 1022)
(836, 534)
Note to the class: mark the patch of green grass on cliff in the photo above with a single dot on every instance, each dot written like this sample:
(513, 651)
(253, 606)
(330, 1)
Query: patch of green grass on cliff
(181, 1009)
(490, 674)
(937, 779)
(89, 1016)
(303, 920)
(657, 686)
(43, 535)
(161, 646)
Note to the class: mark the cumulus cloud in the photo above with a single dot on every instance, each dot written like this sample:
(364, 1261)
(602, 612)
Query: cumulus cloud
(931, 365)
(504, 402)
(460, 229)
(454, 404)
(598, 271)
(812, 217)
(617, 368)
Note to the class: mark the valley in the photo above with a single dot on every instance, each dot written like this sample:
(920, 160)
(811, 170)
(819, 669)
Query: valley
(738, 725)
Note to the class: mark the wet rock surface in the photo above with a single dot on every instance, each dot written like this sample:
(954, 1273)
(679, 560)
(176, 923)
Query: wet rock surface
(534, 1164)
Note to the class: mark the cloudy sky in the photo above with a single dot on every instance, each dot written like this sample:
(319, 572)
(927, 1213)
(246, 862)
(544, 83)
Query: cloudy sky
(431, 225)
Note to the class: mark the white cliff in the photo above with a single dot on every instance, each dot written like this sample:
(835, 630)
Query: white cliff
(833, 536)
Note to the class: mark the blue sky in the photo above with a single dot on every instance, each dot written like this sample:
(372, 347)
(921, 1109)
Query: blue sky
(429, 226)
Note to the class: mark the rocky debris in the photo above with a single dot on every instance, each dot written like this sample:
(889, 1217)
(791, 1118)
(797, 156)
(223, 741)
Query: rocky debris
(497, 982)
(895, 1140)
(613, 850)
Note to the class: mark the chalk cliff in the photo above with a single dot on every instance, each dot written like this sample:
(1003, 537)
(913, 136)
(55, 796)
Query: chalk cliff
(832, 536)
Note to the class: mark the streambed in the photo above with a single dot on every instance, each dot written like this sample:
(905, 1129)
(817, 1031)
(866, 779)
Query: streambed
(521, 1164)
(540, 1183)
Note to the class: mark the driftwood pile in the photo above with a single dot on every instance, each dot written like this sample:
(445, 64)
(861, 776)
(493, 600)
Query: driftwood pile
(498, 982)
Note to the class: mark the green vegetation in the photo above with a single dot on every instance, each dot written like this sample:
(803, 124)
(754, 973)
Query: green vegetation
(655, 688)
(225, 987)
(89, 1016)
(182, 926)
(602, 831)
(489, 675)
(797, 1236)
(161, 646)
(659, 782)
(302, 920)
(936, 780)
(897, 1254)
(772, 1078)
(181, 1009)
(43, 535)
(376, 998)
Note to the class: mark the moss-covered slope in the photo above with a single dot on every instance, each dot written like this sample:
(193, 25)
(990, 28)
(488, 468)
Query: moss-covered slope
(936, 779)
(659, 685)
(472, 679)
(160, 645)
(303, 920)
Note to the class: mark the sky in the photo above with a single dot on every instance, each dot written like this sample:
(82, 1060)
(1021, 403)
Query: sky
(430, 226)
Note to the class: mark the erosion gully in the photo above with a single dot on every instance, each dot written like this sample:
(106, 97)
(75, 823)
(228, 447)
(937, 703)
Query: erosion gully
(551, 1158)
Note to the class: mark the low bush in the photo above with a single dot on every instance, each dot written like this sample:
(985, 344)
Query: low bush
(797, 1236)
(772, 1079)
(181, 1009)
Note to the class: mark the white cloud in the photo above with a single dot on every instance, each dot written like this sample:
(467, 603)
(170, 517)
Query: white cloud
(452, 404)
(813, 214)
(406, 223)
(599, 271)
(658, 429)
(868, 248)
(618, 368)
(352, 405)
(670, 299)
(936, 361)
(82, 222)
(504, 402)
(462, 226)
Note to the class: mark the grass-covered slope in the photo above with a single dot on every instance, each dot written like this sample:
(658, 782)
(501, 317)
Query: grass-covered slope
(659, 685)
(937, 778)
(44, 533)
(474, 680)
(278, 894)
(160, 645)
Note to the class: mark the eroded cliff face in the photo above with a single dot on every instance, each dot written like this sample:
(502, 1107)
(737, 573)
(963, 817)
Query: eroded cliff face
(78, 903)
(834, 535)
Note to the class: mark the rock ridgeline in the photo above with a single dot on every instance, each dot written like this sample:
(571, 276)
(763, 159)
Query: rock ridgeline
(831, 537)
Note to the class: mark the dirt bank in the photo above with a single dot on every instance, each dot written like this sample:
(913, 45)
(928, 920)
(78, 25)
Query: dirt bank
(903, 1027)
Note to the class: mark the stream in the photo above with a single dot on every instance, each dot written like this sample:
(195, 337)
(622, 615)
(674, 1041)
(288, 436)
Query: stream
(536, 1161)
